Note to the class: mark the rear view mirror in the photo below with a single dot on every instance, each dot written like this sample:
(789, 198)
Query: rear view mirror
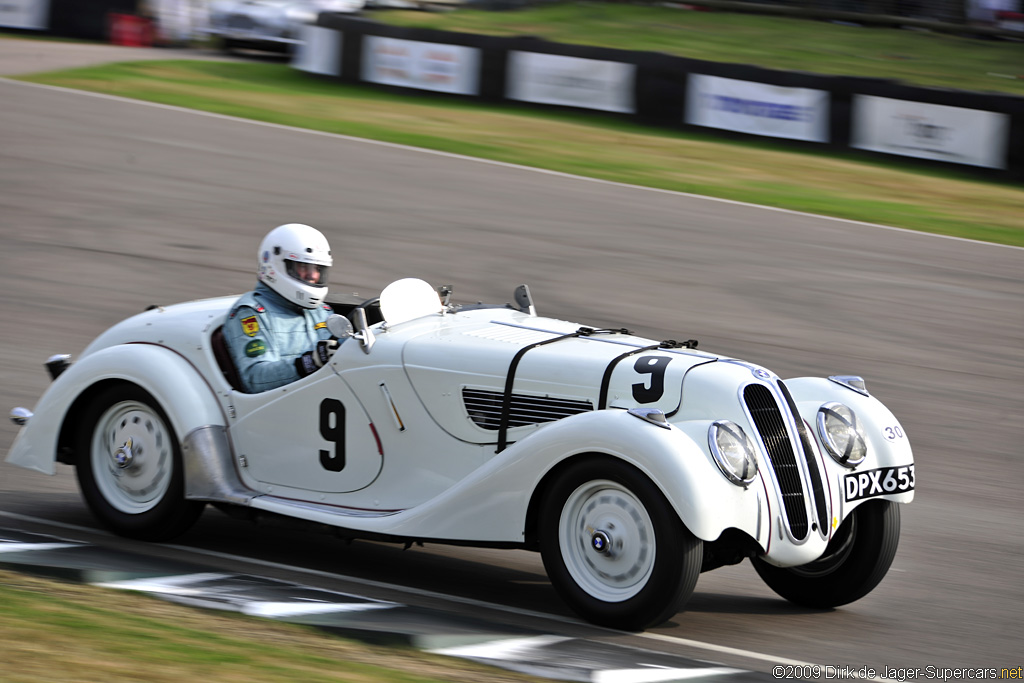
(524, 301)
(340, 327)
(363, 332)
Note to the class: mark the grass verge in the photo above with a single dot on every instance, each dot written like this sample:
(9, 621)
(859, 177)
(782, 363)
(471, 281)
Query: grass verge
(51, 631)
(923, 58)
(943, 202)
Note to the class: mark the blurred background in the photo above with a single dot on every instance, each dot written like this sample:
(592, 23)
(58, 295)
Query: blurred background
(176, 22)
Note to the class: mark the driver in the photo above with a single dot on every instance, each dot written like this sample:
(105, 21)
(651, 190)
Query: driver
(277, 333)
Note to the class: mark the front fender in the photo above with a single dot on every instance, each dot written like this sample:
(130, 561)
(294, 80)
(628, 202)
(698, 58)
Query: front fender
(677, 460)
(184, 395)
(492, 502)
(887, 441)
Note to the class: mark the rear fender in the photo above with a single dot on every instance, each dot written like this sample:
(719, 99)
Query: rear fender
(181, 391)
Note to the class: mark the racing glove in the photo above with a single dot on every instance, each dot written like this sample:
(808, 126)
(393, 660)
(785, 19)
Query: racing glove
(319, 356)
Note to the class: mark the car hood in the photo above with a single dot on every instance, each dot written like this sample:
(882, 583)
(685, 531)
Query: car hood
(460, 373)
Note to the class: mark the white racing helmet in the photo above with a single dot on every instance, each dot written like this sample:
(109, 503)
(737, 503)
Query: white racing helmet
(294, 261)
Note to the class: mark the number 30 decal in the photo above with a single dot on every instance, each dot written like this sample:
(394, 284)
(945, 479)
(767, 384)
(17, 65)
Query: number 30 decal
(655, 367)
(333, 411)
(893, 433)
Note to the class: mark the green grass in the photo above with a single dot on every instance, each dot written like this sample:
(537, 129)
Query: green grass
(51, 631)
(945, 202)
(916, 57)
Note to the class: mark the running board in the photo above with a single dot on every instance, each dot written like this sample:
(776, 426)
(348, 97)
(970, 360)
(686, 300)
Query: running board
(332, 515)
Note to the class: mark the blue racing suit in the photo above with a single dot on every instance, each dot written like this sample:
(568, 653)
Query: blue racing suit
(266, 333)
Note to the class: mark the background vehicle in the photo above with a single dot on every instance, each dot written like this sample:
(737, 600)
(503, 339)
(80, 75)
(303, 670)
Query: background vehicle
(271, 25)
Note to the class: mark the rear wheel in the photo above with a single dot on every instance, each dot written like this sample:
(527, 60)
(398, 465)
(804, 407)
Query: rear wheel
(130, 468)
(614, 548)
(855, 561)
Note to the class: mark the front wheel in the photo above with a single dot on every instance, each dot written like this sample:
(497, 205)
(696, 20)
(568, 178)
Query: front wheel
(855, 561)
(129, 466)
(613, 546)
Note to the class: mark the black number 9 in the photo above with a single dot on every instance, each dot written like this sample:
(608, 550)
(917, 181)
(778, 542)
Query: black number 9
(333, 408)
(655, 367)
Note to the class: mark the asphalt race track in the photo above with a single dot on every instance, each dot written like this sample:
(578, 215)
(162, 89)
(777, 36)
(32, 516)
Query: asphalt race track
(107, 206)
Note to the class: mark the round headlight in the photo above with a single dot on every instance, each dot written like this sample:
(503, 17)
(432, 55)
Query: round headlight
(733, 452)
(841, 434)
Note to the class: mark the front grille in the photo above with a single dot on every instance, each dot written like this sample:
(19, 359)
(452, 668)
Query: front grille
(772, 427)
(818, 488)
(484, 408)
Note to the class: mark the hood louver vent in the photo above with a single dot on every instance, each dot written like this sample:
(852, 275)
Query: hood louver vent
(484, 408)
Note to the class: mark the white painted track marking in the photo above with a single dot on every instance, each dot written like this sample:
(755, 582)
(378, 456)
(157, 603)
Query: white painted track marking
(23, 547)
(506, 648)
(281, 610)
(179, 584)
(659, 675)
(523, 649)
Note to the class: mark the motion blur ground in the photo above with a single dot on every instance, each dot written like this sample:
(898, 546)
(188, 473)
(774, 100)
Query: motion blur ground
(933, 324)
(23, 56)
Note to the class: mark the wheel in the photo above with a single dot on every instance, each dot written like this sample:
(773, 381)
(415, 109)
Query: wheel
(855, 561)
(129, 466)
(614, 548)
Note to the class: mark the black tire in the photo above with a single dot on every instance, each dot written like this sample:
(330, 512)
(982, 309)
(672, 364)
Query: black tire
(613, 546)
(855, 561)
(145, 497)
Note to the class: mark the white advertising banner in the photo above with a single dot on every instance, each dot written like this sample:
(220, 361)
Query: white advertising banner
(426, 66)
(757, 108)
(173, 20)
(28, 14)
(319, 51)
(930, 131)
(571, 81)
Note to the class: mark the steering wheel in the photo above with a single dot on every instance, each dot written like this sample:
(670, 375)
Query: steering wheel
(366, 304)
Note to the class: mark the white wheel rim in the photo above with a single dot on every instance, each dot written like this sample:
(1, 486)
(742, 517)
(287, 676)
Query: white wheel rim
(132, 457)
(607, 541)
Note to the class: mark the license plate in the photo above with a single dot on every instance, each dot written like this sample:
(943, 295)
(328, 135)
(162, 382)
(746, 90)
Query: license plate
(880, 482)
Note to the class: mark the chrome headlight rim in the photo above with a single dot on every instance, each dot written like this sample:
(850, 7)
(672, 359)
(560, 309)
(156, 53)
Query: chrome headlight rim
(842, 455)
(729, 429)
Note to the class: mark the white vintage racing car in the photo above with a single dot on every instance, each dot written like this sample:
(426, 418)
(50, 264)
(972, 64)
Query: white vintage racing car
(631, 465)
(270, 25)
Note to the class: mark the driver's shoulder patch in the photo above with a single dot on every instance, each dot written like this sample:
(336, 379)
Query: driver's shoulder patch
(250, 325)
(255, 348)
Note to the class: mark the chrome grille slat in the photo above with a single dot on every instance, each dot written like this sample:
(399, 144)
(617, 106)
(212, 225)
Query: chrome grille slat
(771, 426)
